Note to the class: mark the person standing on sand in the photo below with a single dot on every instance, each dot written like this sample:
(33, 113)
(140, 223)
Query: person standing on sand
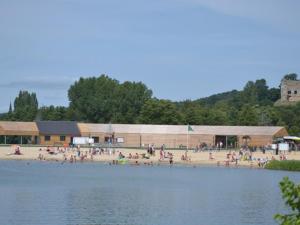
(161, 154)
(237, 157)
(171, 159)
(221, 145)
(211, 156)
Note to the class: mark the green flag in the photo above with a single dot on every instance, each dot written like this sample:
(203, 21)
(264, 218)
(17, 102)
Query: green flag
(190, 128)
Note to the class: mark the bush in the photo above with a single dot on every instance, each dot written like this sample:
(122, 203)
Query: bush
(289, 165)
(291, 195)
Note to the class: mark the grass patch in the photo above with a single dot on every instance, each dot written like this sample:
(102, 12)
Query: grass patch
(288, 165)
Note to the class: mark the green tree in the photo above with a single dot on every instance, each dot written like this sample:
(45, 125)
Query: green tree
(291, 196)
(290, 76)
(256, 93)
(3, 116)
(103, 100)
(25, 106)
(10, 109)
(129, 100)
(289, 116)
(91, 99)
(217, 117)
(248, 116)
(157, 111)
(233, 116)
(249, 93)
(273, 94)
(192, 112)
(262, 91)
(58, 113)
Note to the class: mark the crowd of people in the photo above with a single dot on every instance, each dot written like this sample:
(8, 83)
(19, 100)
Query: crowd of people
(74, 154)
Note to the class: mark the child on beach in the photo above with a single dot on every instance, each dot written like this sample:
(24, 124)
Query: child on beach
(171, 159)
(211, 156)
(18, 151)
(161, 154)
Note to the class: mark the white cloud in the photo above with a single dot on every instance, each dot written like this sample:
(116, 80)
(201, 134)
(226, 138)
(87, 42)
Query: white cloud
(283, 14)
(40, 83)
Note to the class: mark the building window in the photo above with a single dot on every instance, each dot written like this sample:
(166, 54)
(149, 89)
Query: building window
(289, 92)
(295, 92)
(120, 140)
(47, 138)
(96, 139)
(62, 138)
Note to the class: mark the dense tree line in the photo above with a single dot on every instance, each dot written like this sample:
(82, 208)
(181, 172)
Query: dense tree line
(25, 108)
(103, 100)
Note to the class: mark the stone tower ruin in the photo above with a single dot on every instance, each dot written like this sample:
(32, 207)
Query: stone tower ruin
(290, 92)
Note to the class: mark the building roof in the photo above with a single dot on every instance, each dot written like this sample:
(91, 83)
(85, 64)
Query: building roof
(58, 128)
(88, 128)
(18, 128)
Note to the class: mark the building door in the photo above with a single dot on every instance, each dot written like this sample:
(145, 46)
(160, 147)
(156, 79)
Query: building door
(226, 142)
(108, 139)
(232, 142)
(220, 142)
(96, 139)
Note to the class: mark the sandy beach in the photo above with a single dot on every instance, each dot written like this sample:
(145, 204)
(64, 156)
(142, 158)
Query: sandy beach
(220, 158)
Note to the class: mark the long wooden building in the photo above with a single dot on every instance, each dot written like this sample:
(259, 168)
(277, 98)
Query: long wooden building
(137, 135)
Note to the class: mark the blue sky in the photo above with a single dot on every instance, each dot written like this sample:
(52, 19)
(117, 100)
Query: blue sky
(181, 49)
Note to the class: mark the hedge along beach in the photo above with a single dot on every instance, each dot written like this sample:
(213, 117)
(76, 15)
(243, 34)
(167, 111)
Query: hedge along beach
(231, 158)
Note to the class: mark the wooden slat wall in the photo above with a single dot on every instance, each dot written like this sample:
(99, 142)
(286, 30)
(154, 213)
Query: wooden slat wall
(257, 140)
(55, 140)
(170, 140)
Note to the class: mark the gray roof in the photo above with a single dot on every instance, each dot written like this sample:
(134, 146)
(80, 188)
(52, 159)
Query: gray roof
(58, 128)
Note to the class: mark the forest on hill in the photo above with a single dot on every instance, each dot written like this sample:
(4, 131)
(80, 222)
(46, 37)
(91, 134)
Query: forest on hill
(106, 100)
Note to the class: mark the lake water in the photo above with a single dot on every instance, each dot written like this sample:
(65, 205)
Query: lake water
(39, 193)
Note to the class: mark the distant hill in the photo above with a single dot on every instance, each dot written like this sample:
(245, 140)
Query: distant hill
(213, 99)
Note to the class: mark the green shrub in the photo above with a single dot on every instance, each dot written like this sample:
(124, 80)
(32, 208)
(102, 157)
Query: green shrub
(289, 165)
(291, 195)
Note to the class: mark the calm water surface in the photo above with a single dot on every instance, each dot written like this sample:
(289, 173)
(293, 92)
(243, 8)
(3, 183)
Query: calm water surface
(50, 193)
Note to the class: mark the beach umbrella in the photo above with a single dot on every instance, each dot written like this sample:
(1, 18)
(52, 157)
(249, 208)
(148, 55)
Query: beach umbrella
(293, 138)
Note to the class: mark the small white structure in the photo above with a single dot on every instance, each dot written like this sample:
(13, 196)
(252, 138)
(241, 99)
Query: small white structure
(274, 146)
(292, 138)
(83, 141)
(283, 147)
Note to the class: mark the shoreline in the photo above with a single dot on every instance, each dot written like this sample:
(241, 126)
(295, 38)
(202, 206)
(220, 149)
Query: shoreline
(155, 164)
(194, 159)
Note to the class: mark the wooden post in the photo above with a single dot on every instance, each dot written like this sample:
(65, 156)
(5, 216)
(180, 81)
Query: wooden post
(140, 141)
(187, 138)
(226, 142)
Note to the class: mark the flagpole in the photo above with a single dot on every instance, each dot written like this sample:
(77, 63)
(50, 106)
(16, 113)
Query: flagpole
(187, 138)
